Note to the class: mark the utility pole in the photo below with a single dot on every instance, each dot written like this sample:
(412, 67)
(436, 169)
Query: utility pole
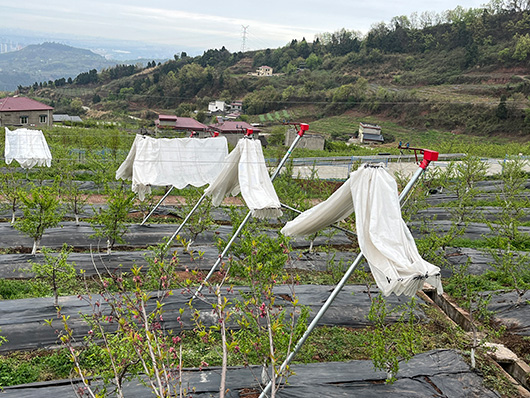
(244, 36)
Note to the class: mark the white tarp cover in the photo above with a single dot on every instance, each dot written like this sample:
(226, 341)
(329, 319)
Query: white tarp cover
(172, 161)
(245, 171)
(384, 238)
(28, 147)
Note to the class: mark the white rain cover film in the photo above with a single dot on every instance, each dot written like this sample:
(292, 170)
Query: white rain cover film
(384, 238)
(28, 147)
(172, 161)
(245, 171)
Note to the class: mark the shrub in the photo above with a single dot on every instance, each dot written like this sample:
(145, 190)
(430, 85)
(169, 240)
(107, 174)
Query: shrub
(111, 221)
(41, 211)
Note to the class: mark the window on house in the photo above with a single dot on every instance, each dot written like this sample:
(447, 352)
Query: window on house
(23, 120)
(42, 118)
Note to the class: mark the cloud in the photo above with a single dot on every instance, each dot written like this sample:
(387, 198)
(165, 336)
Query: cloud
(208, 24)
(215, 25)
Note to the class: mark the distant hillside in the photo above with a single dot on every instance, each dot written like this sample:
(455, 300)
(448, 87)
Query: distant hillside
(44, 62)
(467, 73)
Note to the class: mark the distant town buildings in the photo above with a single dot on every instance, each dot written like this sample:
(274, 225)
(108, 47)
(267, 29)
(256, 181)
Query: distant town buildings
(9, 46)
(236, 106)
(228, 111)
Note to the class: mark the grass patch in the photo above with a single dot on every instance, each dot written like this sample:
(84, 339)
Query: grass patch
(441, 141)
(470, 243)
(28, 367)
(12, 289)
(489, 281)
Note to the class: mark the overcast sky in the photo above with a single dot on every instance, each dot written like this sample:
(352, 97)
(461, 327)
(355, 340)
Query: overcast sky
(206, 24)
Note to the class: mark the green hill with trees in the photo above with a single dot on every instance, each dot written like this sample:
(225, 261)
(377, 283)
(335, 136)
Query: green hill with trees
(45, 62)
(465, 70)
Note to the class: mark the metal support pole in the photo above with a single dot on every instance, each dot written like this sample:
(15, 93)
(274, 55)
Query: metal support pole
(184, 221)
(343, 281)
(303, 128)
(347, 231)
(156, 207)
(248, 134)
(221, 256)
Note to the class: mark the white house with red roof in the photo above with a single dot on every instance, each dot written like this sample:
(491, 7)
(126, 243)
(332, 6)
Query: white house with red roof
(25, 112)
(263, 70)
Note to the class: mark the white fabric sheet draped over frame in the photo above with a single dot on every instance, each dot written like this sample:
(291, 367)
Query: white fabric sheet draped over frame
(28, 147)
(245, 171)
(384, 238)
(172, 161)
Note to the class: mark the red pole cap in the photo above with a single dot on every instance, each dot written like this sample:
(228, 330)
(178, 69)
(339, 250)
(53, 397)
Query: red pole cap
(303, 128)
(428, 157)
(249, 132)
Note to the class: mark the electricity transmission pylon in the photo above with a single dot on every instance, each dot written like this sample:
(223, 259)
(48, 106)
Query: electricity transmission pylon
(244, 38)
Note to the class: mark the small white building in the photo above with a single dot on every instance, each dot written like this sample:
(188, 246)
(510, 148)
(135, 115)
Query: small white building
(370, 133)
(217, 106)
(264, 71)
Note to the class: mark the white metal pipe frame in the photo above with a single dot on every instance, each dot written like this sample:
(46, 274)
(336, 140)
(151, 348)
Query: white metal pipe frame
(428, 157)
(303, 128)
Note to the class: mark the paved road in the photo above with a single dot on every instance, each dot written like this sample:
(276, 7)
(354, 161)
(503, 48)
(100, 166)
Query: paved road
(339, 170)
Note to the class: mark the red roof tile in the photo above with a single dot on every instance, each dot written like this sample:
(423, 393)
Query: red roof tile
(167, 117)
(232, 127)
(11, 104)
(183, 123)
(188, 123)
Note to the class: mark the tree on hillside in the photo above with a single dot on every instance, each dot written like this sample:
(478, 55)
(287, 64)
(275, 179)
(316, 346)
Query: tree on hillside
(522, 47)
(87, 77)
(502, 110)
(313, 61)
(262, 100)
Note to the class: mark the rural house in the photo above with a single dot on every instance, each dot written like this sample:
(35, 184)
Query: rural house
(217, 106)
(311, 140)
(236, 106)
(232, 130)
(370, 133)
(262, 71)
(26, 112)
(179, 123)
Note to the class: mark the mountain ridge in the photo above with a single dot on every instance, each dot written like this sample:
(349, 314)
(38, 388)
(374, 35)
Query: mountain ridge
(48, 61)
